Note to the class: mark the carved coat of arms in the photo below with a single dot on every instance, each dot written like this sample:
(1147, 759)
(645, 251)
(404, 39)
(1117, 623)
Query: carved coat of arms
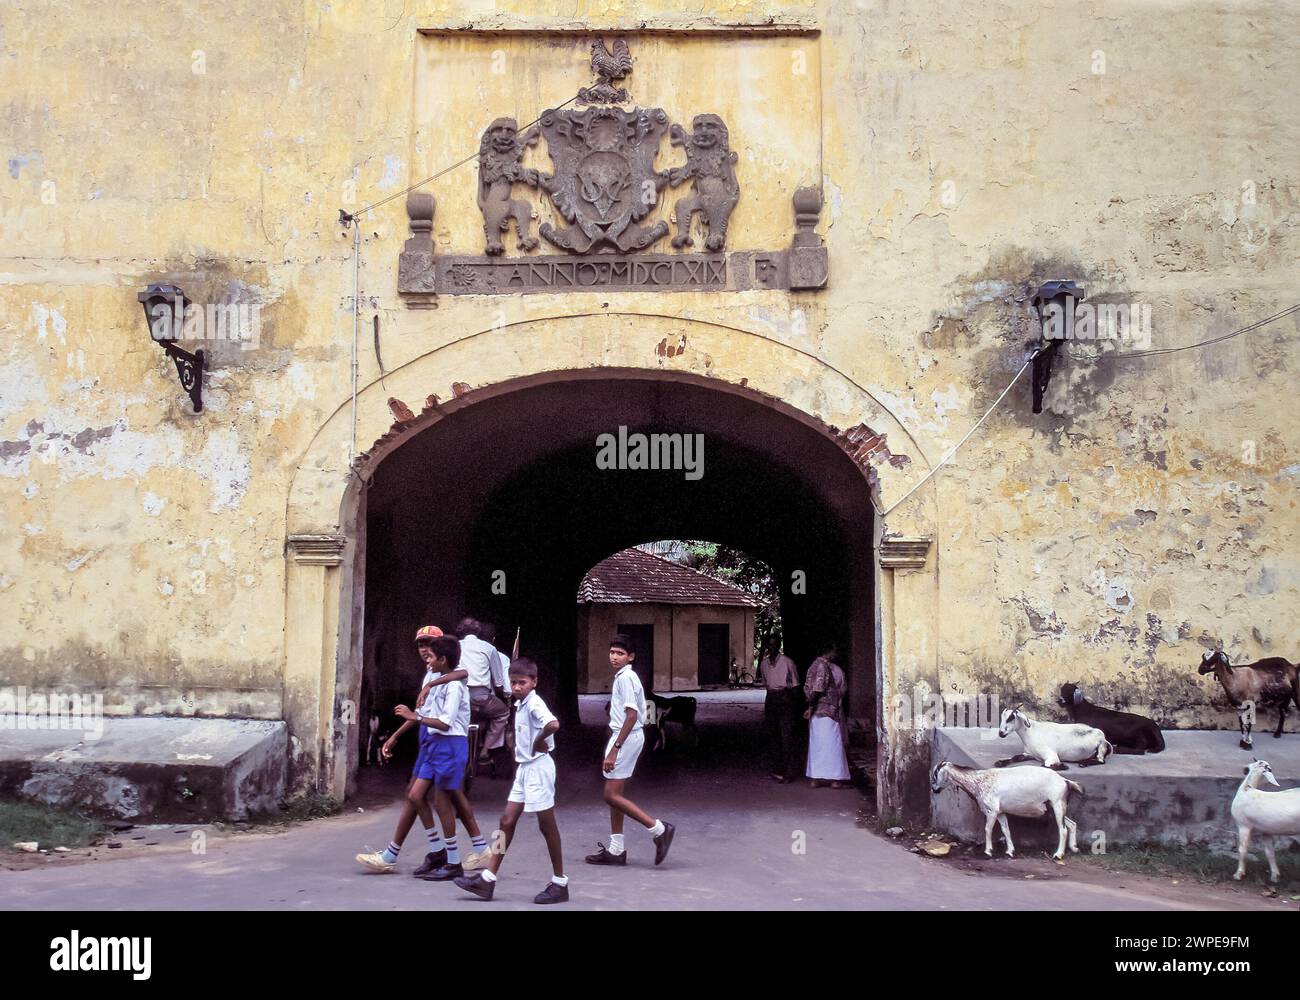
(604, 181)
(606, 188)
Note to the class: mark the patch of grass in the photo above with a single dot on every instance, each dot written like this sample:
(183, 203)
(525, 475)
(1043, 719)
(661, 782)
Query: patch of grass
(1198, 862)
(48, 826)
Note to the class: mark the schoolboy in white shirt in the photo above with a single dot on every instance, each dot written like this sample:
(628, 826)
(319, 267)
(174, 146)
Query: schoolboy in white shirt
(416, 803)
(448, 754)
(533, 790)
(626, 712)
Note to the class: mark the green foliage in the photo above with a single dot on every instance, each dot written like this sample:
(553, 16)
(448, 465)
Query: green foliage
(48, 826)
(738, 568)
(1198, 862)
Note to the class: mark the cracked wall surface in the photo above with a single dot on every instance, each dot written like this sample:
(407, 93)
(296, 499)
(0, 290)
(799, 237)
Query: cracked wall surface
(1149, 511)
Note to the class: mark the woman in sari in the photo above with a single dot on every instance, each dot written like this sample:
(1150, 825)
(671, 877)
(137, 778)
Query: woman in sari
(825, 689)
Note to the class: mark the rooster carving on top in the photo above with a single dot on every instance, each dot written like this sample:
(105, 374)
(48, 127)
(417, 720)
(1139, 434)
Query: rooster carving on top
(609, 67)
(604, 181)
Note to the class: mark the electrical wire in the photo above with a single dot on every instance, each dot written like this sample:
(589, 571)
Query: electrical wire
(953, 450)
(348, 217)
(1123, 355)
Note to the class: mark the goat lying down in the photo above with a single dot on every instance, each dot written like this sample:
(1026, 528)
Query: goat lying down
(1127, 731)
(1054, 742)
(1273, 814)
(1272, 682)
(1020, 791)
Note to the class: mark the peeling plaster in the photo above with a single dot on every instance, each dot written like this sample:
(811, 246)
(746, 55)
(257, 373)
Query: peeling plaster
(48, 318)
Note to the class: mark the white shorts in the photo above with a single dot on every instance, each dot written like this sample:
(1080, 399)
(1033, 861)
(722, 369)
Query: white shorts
(627, 757)
(535, 785)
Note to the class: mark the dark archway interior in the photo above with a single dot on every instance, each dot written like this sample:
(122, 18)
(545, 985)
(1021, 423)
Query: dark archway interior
(510, 485)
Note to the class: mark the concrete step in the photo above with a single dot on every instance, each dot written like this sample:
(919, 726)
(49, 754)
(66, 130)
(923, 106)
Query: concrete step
(1182, 795)
(146, 769)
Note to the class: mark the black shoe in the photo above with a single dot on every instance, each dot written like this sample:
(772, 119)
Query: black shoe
(553, 894)
(432, 860)
(603, 857)
(445, 874)
(477, 884)
(663, 842)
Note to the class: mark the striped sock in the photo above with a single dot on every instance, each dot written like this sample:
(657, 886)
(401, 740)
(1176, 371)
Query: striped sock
(391, 852)
(453, 852)
(435, 838)
(480, 843)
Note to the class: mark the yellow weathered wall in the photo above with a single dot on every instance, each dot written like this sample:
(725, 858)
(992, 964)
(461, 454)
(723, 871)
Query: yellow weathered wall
(144, 550)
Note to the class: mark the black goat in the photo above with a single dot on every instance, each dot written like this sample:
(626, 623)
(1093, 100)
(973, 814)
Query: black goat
(1127, 732)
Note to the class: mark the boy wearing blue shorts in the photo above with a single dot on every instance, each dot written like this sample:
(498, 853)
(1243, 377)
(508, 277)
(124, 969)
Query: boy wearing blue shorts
(442, 715)
(533, 790)
(444, 755)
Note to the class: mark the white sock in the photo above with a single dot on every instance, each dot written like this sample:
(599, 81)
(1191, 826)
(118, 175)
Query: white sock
(453, 851)
(560, 879)
(435, 839)
(487, 875)
(657, 829)
(615, 843)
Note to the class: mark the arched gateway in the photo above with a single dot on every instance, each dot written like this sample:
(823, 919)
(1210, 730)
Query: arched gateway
(485, 491)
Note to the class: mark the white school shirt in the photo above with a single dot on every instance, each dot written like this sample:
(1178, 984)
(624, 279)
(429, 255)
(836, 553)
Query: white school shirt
(426, 709)
(481, 661)
(531, 717)
(451, 705)
(627, 693)
(501, 670)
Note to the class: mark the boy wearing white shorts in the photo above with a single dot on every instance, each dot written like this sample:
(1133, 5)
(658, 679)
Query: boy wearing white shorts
(626, 714)
(533, 790)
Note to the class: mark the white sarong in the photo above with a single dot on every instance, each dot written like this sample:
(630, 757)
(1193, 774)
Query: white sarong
(826, 759)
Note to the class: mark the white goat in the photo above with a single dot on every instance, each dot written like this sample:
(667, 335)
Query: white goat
(1021, 791)
(1053, 742)
(1273, 814)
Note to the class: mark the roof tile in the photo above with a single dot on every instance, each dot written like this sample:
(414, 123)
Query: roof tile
(634, 576)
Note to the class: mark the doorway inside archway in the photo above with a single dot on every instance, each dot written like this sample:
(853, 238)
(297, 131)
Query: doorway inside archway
(499, 510)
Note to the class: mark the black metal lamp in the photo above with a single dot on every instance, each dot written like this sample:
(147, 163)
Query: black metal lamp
(164, 311)
(1055, 300)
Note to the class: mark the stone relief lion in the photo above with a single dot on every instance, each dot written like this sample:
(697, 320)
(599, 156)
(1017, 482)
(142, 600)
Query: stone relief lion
(499, 169)
(709, 163)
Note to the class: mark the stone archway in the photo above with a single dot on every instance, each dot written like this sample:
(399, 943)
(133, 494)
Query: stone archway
(326, 511)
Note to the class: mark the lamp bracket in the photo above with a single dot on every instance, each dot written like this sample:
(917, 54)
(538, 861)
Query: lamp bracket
(1043, 370)
(189, 369)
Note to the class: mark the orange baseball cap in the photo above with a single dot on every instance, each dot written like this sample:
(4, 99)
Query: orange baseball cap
(428, 632)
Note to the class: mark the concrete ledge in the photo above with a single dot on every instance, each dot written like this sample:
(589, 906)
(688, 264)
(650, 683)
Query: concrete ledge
(1180, 796)
(147, 769)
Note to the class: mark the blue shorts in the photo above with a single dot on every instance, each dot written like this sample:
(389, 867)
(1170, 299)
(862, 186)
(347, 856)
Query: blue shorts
(442, 759)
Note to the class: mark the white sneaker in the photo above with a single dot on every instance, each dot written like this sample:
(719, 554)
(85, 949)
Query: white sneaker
(376, 863)
(473, 862)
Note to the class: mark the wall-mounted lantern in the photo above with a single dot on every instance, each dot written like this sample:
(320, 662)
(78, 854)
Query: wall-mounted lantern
(164, 311)
(1054, 304)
